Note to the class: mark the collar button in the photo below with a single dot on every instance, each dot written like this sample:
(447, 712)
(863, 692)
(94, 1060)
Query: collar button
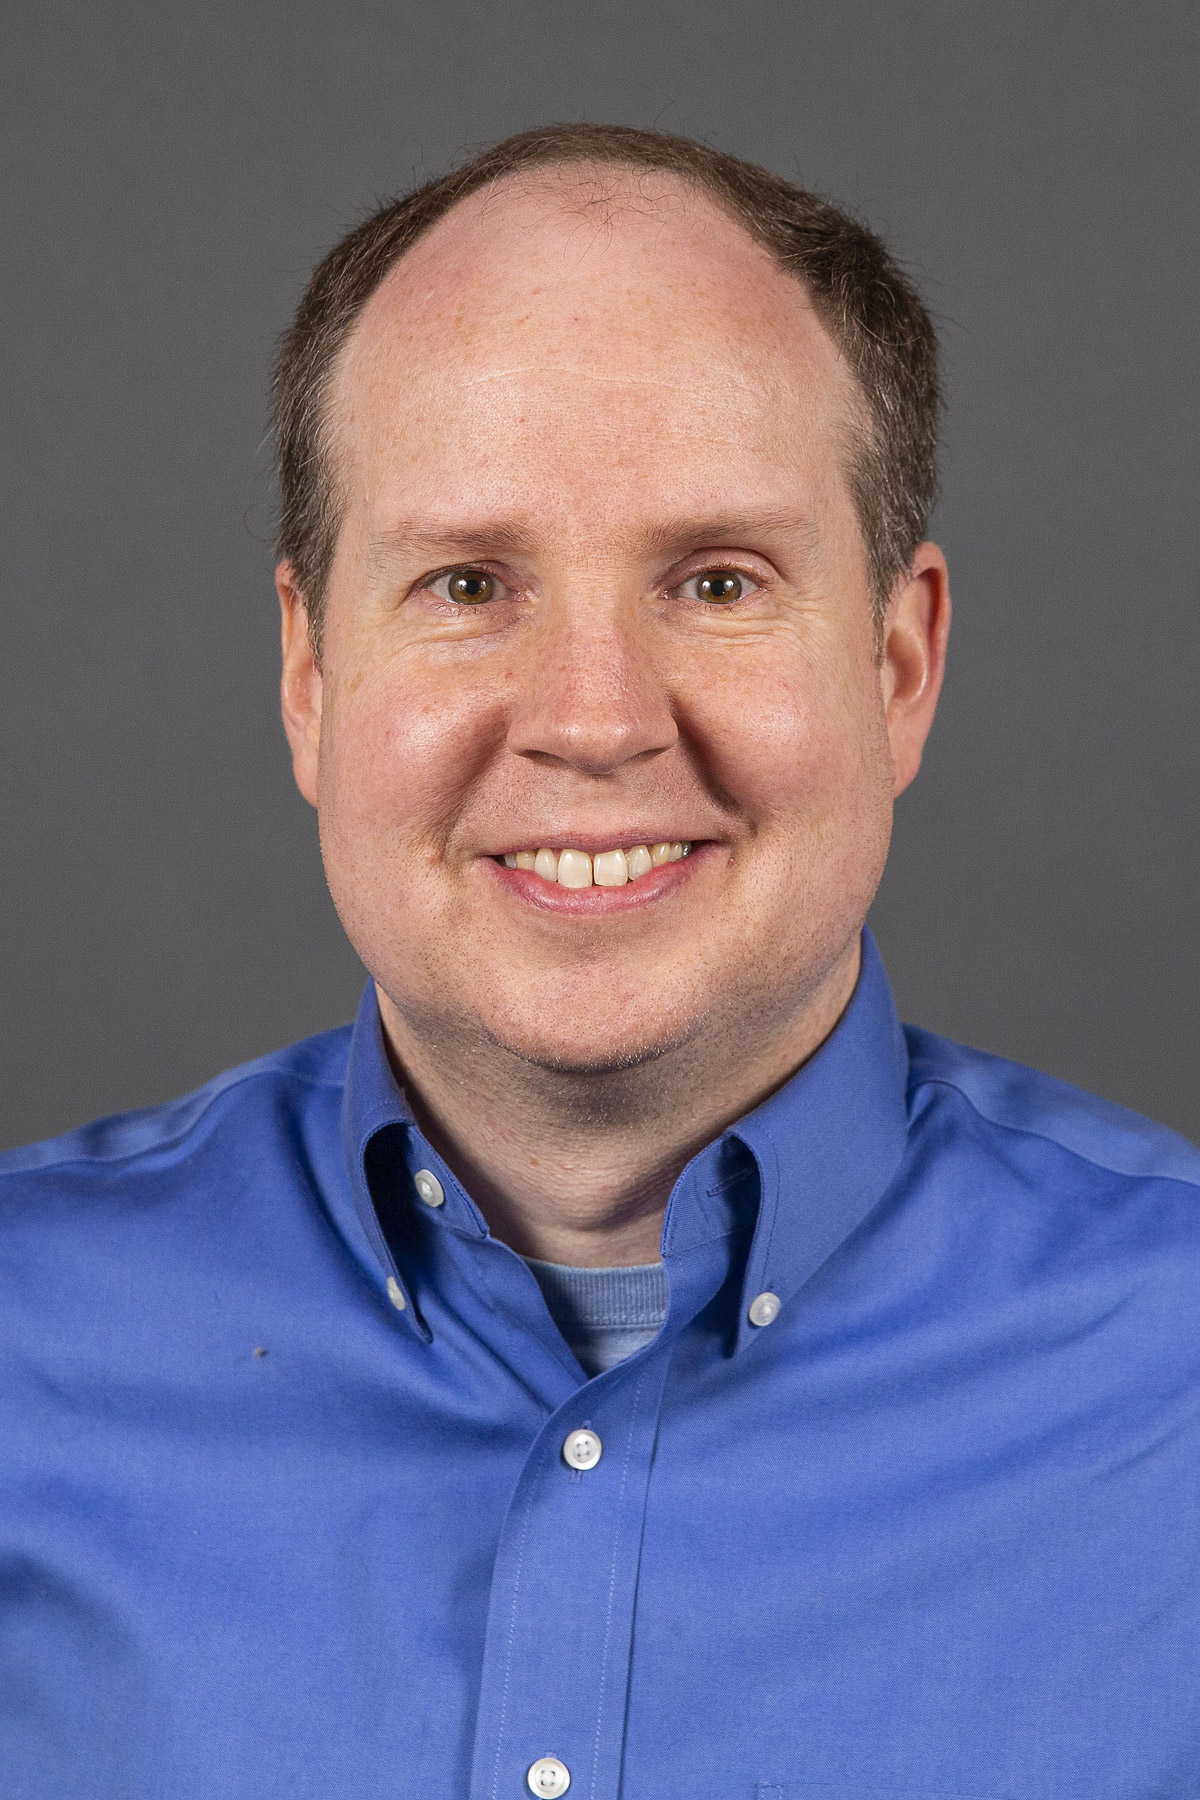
(764, 1308)
(428, 1187)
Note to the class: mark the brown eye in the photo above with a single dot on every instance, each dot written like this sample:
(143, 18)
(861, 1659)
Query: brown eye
(719, 586)
(470, 587)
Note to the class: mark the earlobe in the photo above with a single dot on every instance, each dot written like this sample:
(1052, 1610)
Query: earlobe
(300, 689)
(914, 659)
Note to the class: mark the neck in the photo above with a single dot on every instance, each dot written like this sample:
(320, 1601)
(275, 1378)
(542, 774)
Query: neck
(577, 1167)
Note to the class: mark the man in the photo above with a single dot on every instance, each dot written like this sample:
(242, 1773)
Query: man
(626, 1362)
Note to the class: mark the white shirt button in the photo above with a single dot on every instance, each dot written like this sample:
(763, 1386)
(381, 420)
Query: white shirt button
(582, 1450)
(428, 1187)
(764, 1309)
(548, 1777)
(395, 1295)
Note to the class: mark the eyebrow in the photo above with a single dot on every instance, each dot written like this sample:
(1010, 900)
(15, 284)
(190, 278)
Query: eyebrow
(428, 537)
(672, 535)
(454, 541)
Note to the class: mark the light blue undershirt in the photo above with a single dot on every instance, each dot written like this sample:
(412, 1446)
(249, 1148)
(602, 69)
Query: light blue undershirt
(604, 1314)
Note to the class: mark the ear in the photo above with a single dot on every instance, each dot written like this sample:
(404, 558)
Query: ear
(300, 686)
(913, 662)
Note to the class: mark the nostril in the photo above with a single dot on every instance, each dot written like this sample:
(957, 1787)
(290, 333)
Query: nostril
(593, 734)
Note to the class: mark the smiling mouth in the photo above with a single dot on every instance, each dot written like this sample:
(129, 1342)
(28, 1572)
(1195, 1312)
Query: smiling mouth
(572, 868)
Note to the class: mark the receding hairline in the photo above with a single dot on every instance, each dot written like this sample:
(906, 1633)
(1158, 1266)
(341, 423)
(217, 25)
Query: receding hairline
(862, 297)
(595, 181)
(557, 181)
(562, 187)
(583, 187)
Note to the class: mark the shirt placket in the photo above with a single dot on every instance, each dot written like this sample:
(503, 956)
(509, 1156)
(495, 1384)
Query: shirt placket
(560, 1622)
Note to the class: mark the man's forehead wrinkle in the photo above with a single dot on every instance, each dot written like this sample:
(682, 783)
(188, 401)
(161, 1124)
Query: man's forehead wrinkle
(581, 371)
(730, 368)
(740, 365)
(430, 380)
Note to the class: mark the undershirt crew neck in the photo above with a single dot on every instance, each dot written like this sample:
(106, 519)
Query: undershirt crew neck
(604, 1314)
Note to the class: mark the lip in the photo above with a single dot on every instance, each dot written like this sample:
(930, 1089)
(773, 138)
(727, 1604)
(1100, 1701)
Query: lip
(598, 902)
(593, 842)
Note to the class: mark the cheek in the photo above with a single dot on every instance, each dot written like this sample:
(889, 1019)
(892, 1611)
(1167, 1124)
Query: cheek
(797, 742)
(398, 753)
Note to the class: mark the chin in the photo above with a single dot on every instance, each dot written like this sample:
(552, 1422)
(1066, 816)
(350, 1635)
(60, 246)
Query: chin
(590, 1052)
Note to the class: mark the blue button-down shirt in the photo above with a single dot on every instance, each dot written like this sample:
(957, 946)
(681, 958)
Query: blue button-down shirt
(284, 1508)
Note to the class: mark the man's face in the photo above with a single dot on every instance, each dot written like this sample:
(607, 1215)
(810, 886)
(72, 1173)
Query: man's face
(599, 585)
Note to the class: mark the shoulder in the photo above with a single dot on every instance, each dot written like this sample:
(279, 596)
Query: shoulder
(277, 1087)
(1012, 1102)
(146, 1248)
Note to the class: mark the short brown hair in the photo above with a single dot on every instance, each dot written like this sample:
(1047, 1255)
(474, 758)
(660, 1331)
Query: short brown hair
(866, 303)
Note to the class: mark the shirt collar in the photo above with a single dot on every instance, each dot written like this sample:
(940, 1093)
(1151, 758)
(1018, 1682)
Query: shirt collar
(828, 1142)
(373, 1104)
(825, 1145)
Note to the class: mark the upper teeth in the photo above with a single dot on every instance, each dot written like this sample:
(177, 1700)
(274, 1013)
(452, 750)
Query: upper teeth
(608, 868)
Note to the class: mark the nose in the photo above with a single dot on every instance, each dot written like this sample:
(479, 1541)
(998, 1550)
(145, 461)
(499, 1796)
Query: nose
(592, 698)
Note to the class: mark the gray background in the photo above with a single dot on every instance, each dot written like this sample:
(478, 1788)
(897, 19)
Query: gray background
(169, 176)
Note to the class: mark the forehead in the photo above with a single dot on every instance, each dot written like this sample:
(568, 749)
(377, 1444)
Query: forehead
(578, 324)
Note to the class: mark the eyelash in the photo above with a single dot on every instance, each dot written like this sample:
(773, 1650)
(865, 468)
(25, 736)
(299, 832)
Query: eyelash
(430, 584)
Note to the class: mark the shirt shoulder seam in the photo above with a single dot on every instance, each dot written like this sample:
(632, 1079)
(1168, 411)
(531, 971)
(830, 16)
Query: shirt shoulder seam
(1046, 1137)
(179, 1137)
